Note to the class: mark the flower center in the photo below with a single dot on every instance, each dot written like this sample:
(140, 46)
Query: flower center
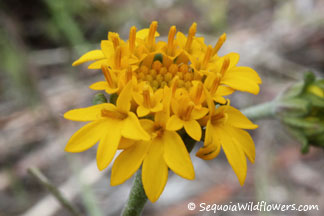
(160, 75)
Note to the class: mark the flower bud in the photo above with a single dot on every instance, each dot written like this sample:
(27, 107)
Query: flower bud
(301, 109)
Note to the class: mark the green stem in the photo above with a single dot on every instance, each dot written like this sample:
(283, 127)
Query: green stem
(137, 197)
(260, 111)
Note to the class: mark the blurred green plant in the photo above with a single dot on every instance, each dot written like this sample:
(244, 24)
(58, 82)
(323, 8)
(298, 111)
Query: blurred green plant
(20, 85)
(301, 109)
(62, 17)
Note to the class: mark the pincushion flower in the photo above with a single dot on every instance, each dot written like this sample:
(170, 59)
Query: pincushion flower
(180, 83)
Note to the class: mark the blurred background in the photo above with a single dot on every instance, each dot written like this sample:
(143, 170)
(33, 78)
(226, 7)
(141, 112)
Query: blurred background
(38, 43)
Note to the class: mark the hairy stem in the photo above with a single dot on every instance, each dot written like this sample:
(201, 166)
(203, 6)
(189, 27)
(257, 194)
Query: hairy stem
(137, 197)
(260, 111)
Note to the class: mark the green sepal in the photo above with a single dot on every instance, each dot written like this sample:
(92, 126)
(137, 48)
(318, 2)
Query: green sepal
(99, 98)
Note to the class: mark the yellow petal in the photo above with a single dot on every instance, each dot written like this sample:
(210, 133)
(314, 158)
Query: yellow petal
(193, 129)
(132, 129)
(212, 144)
(109, 143)
(241, 84)
(208, 152)
(86, 137)
(154, 171)
(224, 90)
(107, 48)
(245, 141)
(142, 34)
(101, 85)
(244, 72)
(219, 99)
(234, 154)
(176, 155)
(234, 59)
(87, 114)
(97, 64)
(89, 56)
(125, 143)
(237, 119)
(167, 99)
(174, 123)
(161, 117)
(128, 162)
(199, 113)
(142, 111)
(158, 95)
(138, 98)
(181, 39)
(124, 99)
(157, 108)
(148, 125)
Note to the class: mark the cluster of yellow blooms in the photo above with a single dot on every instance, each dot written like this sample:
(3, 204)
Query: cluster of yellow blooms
(163, 87)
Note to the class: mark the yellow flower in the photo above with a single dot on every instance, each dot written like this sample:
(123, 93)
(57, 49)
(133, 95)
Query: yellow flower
(186, 115)
(237, 77)
(217, 91)
(112, 84)
(165, 150)
(181, 83)
(149, 42)
(224, 129)
(148, 101)
(109, 123)
(191, 44)
(108, 48)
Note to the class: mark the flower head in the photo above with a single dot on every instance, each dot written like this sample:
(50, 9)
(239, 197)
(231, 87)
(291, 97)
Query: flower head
(163, 87)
